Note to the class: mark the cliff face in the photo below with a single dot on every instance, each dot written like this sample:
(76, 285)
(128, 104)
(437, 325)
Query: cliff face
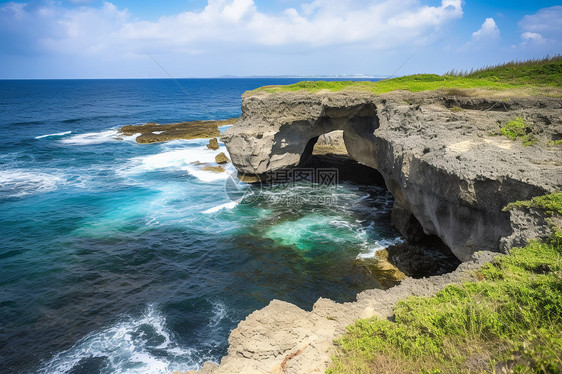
(441, 155)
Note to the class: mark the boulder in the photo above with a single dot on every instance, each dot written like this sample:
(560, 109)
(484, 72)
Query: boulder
(213, 144)
(221, 158)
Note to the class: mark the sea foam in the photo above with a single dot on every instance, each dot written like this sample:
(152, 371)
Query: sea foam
(133, 345)
(218, 208)
(19, 183)
(52, 135)
(98, 138)
(190, 159)
(378, 245)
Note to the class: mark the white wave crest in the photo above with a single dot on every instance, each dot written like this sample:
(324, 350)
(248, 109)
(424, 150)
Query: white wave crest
(177, 159)
(204, 175)
(97, 138)
(220, 311)
(377, 246)
(190, 159)
(218, 208)
(129, 347)
(18, 183)
(57, 134)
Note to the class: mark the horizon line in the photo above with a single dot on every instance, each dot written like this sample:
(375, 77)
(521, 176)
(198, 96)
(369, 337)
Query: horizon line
(334, 76)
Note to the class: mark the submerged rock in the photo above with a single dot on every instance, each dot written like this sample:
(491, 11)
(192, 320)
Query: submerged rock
(214, 169)
(155, 133)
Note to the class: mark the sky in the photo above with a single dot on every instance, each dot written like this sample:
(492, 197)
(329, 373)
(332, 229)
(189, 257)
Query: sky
(67, 39)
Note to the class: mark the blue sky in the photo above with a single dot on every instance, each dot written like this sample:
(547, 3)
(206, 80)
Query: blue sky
(211, 38)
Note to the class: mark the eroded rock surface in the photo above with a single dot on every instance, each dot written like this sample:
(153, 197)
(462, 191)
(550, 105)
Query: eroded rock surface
(441, 156)
(282, 338)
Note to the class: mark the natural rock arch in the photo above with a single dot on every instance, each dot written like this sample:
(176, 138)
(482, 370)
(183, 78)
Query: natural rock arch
(442, 167)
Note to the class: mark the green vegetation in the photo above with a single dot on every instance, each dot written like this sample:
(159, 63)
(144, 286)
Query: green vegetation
(552, 143)
(518, 129)
(550, 204)
(508, 321)
(543, 71)
(546, 73)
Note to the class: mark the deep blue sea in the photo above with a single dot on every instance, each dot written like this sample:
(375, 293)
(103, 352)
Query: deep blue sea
(118, 257)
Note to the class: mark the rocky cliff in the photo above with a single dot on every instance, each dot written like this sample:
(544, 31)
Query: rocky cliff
(284, 339)
(445, 161)
(441, 154)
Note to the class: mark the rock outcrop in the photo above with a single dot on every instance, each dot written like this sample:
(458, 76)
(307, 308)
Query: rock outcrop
(221, 158)
(213, 144)
(283, 338)
(155, 133)
(441, 155)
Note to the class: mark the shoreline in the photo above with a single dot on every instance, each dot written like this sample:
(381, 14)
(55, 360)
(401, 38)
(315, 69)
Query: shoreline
(282, 338)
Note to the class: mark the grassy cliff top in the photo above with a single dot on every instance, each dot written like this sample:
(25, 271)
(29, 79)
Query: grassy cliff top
(542, 74)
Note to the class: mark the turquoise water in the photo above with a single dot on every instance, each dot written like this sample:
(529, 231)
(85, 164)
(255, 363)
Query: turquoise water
(117, 257)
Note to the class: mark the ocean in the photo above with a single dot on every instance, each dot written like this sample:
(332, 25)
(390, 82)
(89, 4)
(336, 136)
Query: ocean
(118, 257)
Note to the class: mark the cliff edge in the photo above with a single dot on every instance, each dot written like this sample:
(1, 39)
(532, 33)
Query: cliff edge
(443, 154)
(452, 163)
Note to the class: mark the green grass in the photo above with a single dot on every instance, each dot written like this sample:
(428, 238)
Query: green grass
(546, 71)
(518, 129)
(543, 73)
(550, 204)
(508, 321)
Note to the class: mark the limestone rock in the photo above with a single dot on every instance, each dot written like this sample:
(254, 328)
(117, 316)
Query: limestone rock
(529, 223)
(214, 169)
(449, 176)
(448, 169)
(213, 144)
(330, 143)
(208, 368)
(155, 133)
(284, 339)
(221, 158)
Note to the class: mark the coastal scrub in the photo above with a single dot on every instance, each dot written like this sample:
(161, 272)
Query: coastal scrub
(508, 321)
(518, 129)
(544, 76)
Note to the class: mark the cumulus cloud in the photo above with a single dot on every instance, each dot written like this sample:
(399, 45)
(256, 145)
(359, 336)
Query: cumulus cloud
(227, 24)
(532, 37)
(488, 31)
(546, 21)
(542, 27)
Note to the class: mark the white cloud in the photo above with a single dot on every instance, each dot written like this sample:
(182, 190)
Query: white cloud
(546, 21)
(16, 10)
(527, 37)
(488, 31)
(235, 25)
(428, 15)
(542, 29)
